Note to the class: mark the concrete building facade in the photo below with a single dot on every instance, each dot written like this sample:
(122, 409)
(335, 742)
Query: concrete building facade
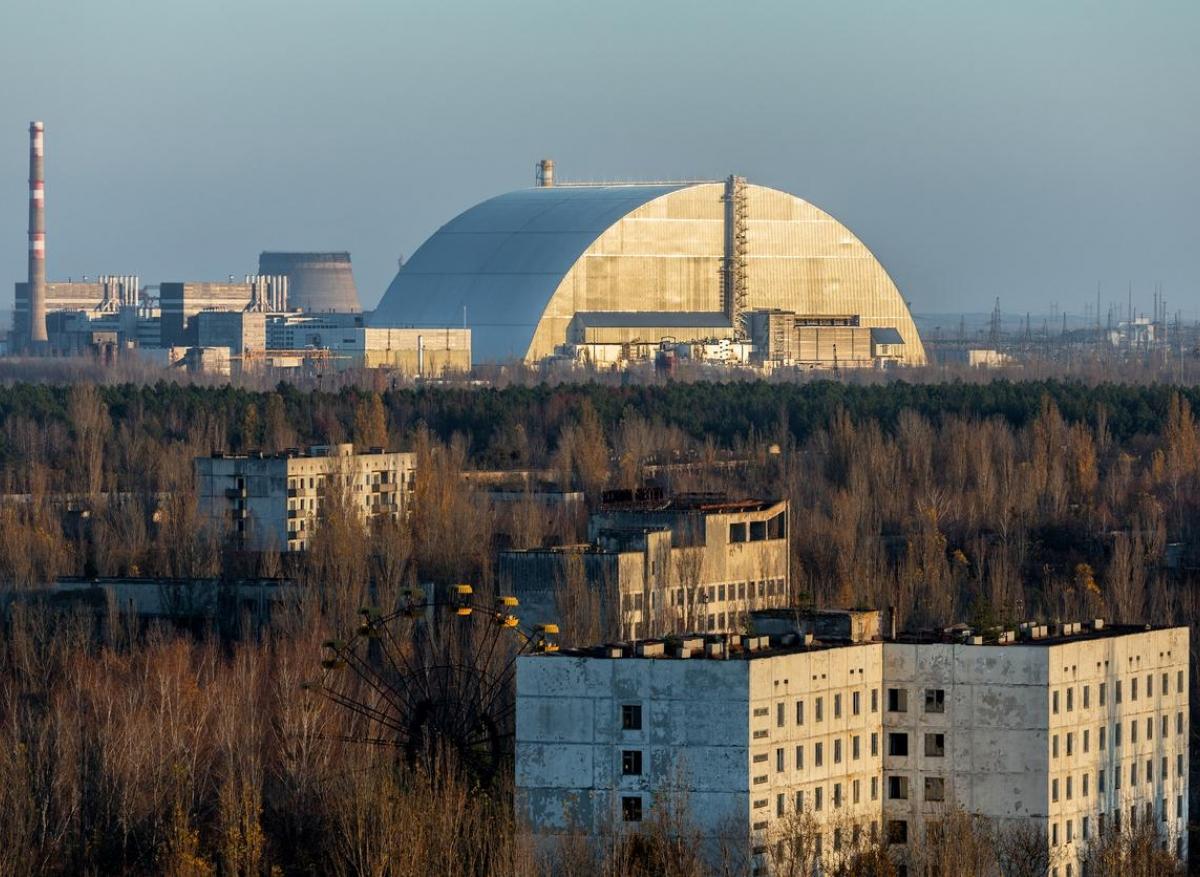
(1075, 732)
(693, 562)
(275, 502)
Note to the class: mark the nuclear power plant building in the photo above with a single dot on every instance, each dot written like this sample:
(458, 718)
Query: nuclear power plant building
(584, 270)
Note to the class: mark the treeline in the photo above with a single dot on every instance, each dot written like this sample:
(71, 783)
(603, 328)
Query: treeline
(526, 421)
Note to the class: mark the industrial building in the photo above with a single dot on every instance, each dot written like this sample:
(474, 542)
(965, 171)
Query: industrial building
(589, 272)
(180, 303)
(274, 502)
(655, 565)
(833, 731)
(317, 282)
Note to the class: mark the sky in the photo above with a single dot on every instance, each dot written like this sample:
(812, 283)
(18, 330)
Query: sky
(1026, 150)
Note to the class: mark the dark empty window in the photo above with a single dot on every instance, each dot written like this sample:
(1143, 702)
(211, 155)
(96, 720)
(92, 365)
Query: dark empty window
(737, 532)
(935, 745)
(897, 700)
(935, 700)
(631, 717)
(758, 531)
(898, 744)
(898, 788)
(631, 808)
(897, 831)
(631, 762)
(935, 789)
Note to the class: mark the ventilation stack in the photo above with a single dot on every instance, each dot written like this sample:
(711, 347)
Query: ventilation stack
(545, 173)
(37, 237)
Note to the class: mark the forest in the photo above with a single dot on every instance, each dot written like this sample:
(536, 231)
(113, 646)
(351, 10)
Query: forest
(135, 749)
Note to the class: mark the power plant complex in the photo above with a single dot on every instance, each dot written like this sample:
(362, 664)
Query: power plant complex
(581, 274)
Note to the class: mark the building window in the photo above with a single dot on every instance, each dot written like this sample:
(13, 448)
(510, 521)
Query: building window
(874, 745)
(1087, 691)
(855, 702)
(1085, 785)
(818, 754)
(779, 715)
(935, 789)
(779, 765)
(1179, 682)
(1054, 746)
(800, 801)
(737, 532)
(935, 700)
(1069, 795)
(837, 751)
(897, 744)
(837, 795)
(1054, 834)
(631, 763)
(897, 701)
(799, 712)
(874, 788)
(855, 789)
(818, 797)
(780, 804)
(1103, 692)
(631, 718)
(1083, 828)
(897, 831)
(874, 700)
(819, 710)
(1054, 702)
(1054, 791)
(935, 745)
(1070, 699)
(1132, 731)
(799, 758)
(1117, 690)
(1102, 741)
(631, 808)
(855, 752)
(1149, 685)
(1086, 740)
(837, 706)
(1070, 744)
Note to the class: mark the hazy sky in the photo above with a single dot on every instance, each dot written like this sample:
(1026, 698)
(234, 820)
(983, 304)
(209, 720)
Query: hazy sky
(1021, 149)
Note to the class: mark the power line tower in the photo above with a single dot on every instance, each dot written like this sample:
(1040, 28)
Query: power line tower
(734, 289)
(994, 329)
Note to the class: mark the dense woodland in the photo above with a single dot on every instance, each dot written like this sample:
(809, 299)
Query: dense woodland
(126, 749)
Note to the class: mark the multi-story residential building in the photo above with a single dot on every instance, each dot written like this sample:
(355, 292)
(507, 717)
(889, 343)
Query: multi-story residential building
(275, 501)
(1074, 731)
(656, 565)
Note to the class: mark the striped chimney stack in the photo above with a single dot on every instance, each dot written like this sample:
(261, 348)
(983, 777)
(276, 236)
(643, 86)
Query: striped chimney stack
(37, 236)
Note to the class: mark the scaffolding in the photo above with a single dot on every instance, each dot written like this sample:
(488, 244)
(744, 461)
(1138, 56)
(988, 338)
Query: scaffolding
(733, 273)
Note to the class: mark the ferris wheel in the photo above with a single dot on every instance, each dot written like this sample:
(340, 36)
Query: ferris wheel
(434, 678)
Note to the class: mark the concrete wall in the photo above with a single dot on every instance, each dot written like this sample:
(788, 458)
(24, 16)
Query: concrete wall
(570, 742)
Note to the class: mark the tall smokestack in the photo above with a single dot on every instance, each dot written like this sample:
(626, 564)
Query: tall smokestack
(545, 173)
(37, 236)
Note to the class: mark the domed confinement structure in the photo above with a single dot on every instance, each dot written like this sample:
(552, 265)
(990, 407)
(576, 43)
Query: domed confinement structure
(534, 271)
(317, 282)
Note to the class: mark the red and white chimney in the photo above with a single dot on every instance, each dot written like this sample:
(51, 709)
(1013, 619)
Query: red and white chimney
(37, 236)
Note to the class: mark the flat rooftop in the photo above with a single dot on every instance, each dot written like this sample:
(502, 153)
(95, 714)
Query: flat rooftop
(654, 500)
(729, 646)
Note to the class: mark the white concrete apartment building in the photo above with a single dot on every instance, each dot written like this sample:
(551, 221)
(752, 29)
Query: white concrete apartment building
(274, 502)
(689, 562)
(864, 737)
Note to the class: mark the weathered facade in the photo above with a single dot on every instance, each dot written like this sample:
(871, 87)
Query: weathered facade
(275, 502)
(1075, 731)
(688, 563)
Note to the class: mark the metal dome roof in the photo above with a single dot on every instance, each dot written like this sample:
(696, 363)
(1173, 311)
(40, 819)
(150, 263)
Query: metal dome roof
(503, 259)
